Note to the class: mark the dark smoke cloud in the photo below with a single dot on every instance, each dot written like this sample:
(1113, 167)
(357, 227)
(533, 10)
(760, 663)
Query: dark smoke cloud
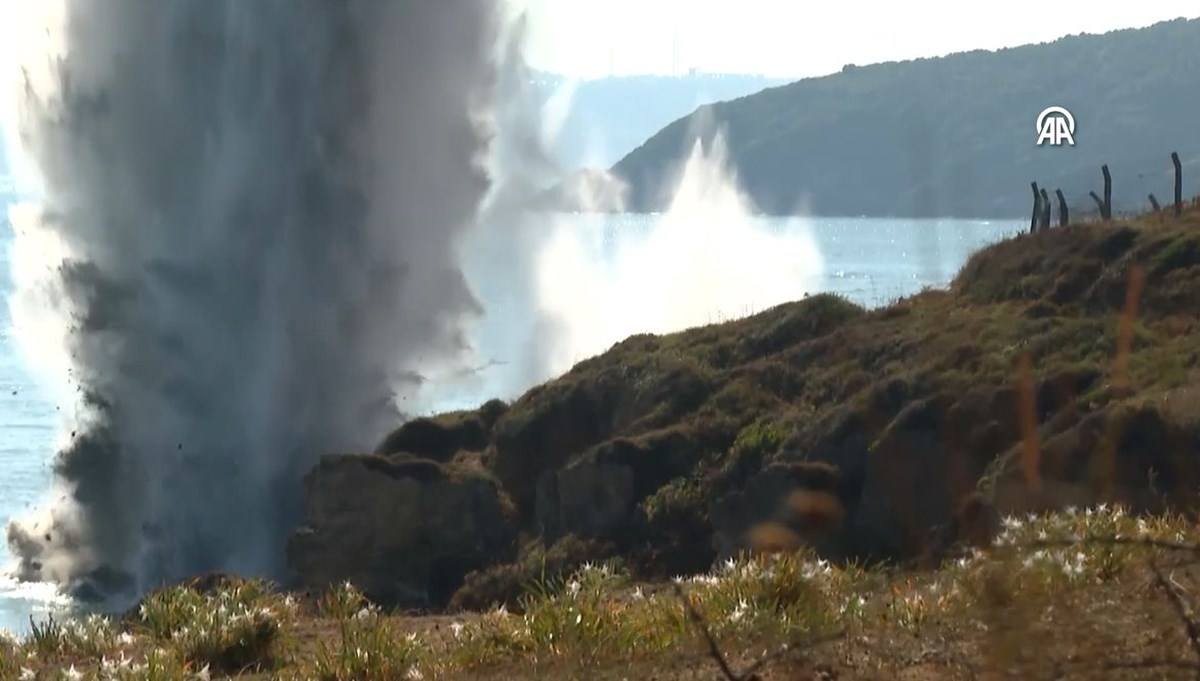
(264, 202)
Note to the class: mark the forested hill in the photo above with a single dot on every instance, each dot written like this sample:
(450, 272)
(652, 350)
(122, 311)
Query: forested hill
(955, 136)
(609, 116)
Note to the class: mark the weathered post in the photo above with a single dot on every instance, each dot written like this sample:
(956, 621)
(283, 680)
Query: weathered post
(1107, 192)
(1099, 202)
(1063, 216)
(1037, 199)
(1154, 204)
(1045, 209)
(1178, 183)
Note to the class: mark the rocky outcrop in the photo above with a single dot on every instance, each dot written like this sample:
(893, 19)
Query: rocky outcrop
(801, 502)
(906, 489)
(1141, 456)
(558, 423)
(711, 387)
(404, 532)
(890, 434)
(597, 494)
(441, 437)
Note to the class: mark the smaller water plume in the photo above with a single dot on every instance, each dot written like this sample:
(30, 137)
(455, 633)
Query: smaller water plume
(559, 287)
(707, 259)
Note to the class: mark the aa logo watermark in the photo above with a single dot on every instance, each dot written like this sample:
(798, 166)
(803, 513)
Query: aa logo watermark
(1055, 125)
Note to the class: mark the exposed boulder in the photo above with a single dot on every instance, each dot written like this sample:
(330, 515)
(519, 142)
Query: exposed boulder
(555, 423)
(803, 501)
(404, 532)
(917, 471)
(597, 494)
(1141, 456)
(887, 478)
(590, 498)
(715, 378)
(441, 437)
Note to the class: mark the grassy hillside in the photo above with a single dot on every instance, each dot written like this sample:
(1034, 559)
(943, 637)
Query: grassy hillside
(955, 136)
(995, 480)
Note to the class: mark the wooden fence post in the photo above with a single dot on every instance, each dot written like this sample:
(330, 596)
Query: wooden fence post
(1178, 183)
(1063, 216)
(1107, 192)
(1037, 199)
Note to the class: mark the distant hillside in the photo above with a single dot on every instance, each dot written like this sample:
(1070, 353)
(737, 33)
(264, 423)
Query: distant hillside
(609, 117)
(955, 136)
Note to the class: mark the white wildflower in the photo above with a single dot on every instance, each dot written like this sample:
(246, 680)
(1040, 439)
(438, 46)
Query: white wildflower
(740, 611)
(1074, 568)
(854, 604)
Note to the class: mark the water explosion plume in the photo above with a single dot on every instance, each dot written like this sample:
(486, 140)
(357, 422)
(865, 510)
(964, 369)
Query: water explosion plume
(258, 207)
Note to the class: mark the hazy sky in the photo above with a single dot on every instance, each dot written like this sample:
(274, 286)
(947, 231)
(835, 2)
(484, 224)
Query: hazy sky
(792, 38)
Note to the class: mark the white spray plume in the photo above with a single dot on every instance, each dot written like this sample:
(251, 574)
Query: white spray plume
(246, 246)
(707, 259)
(561, 287)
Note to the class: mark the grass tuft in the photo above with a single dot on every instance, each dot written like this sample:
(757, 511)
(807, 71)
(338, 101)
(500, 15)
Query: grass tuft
(236, 628)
